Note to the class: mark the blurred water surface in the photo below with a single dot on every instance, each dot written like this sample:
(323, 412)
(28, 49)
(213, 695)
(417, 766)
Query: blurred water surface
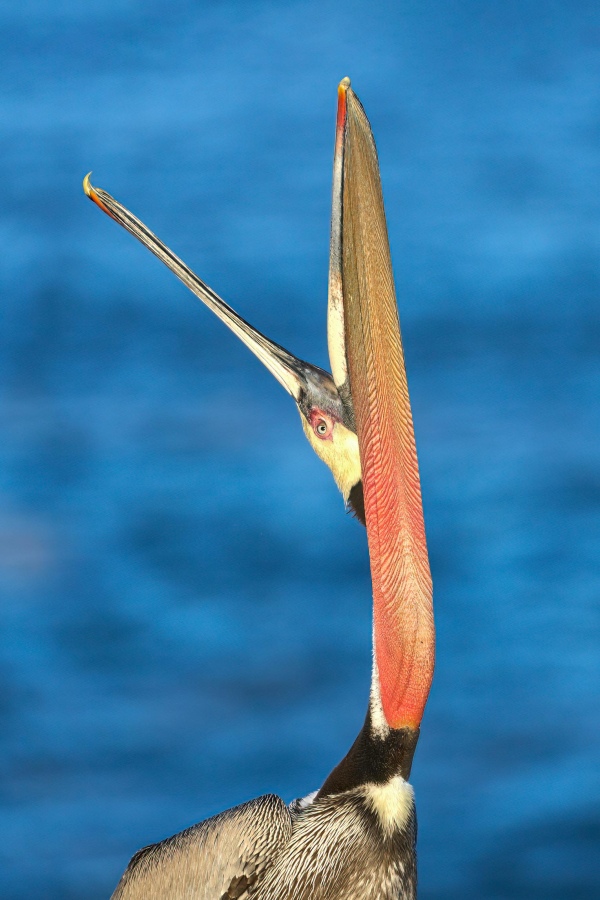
(185, 608)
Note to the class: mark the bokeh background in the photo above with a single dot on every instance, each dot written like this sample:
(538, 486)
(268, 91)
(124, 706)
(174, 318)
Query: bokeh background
(185, 608)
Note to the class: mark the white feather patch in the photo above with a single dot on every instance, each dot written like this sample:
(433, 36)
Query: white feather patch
(392, 803)
(303, 802)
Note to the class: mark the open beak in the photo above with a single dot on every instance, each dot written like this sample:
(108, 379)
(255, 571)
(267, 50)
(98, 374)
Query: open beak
(368, 366)
(293, 373)
(369, 385)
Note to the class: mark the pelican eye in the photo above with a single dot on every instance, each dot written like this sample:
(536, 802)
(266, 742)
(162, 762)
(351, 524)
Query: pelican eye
(322, 427)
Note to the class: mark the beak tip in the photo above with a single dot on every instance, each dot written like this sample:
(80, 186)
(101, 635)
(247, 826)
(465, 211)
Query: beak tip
(87, 186)
(91, 192)
(343, 88)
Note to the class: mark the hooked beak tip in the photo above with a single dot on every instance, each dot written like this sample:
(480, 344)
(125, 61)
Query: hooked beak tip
(90, 191)
(87, 185)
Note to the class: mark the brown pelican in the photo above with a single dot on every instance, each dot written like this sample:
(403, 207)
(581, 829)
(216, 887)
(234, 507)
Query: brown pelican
(354, 839)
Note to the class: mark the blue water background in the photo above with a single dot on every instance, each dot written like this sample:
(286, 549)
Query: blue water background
(185, 608)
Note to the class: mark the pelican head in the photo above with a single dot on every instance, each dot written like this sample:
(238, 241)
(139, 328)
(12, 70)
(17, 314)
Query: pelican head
(359, 259)
(327, 418)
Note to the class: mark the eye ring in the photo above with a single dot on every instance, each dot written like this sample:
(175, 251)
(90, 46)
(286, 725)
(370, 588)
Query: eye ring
(321, 427)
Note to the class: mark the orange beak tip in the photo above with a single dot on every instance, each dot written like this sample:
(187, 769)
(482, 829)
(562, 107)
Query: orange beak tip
(343, 88)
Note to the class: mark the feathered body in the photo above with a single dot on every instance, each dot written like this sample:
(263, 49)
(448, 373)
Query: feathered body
(352, 844)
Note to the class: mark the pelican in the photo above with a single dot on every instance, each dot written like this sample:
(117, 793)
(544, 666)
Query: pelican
(354, 838)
